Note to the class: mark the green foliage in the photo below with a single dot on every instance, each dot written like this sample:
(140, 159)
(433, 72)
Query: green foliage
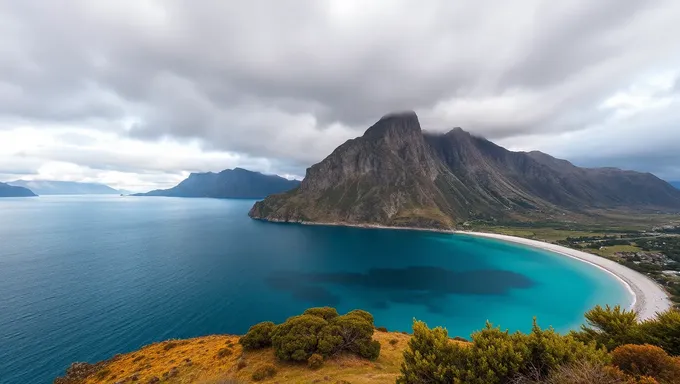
(224, 352)
(381, 329)
(326, 313)
(361, 313)
(647, 360)
(258, 336)
(663, 331)
(352, 333)
(610, 327)
(315, 361)
(493, 356)
(264, 372)
(298, 337)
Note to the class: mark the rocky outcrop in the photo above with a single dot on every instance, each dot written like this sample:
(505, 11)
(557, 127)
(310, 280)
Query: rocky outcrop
(396, 175)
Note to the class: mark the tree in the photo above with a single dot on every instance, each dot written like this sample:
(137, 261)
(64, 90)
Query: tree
(610, 327)
(351, 333)
(297, 338)
(258, 336)
(326, 313)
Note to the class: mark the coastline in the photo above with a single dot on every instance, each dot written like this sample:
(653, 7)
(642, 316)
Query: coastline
(648, 297)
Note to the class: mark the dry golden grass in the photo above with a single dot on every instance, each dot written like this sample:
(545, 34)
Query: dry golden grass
(197, 361)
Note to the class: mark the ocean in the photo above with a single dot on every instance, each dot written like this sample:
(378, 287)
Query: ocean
(85, 277)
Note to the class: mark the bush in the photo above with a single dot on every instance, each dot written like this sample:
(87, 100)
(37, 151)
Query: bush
(581, 372)
(297, 338)
(381, 329)
(351, 333)
(493, 356)
(394, 342)
(361, 313)
(315, 361)
(647, 360)
(326, 313)
(258, 336)
(664, 331)
(224, 352)
(264, 372)
(610, 327)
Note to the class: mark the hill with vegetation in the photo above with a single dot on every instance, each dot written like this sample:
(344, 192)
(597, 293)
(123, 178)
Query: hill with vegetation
(7, 190)
(321, 346)
(231, 183)
(398, 175)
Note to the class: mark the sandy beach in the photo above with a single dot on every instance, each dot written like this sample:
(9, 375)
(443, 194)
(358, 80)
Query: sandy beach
(648, 297)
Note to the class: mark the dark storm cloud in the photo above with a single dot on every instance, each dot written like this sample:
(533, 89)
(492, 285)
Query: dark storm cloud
(290, 80)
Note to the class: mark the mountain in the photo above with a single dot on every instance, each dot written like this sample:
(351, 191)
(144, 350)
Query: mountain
(53, 187)
(397, 175)
(7, 190)
(676, 184)
(230, 183)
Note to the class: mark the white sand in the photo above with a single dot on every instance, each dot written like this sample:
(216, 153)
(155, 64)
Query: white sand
(648, 297)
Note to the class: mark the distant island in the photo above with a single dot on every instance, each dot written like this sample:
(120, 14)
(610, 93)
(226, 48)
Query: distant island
(54, 187)
(230, 183)
(399, 176)
(7, 190)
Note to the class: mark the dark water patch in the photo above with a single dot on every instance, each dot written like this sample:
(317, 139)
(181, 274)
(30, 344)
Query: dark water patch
(416, 285)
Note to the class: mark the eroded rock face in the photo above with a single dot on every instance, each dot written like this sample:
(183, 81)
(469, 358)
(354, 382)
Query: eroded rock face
(396, 175)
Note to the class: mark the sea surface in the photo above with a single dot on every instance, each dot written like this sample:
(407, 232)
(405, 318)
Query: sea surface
(83, 278)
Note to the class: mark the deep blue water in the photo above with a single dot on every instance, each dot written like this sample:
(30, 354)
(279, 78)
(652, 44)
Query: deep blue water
(84, 278)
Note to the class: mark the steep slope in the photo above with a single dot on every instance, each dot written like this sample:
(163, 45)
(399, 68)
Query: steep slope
(7, 190)
(230, 183)
(385, 177)
(52, 187)
(396, 175)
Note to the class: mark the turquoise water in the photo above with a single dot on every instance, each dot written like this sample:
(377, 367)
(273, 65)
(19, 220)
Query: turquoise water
(84, 278)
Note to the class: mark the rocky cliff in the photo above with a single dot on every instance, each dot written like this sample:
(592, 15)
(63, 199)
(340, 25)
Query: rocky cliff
(396, 175)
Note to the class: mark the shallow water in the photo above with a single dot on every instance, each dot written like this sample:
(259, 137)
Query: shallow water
(83, 278)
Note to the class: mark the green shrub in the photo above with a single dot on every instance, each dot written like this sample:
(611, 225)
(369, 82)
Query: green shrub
(298, 337)
(264, 372)
(663, 331)
(349, 333)
(361, 313)
(224, 352)
(258, 336)
(493, 356)
(610, 327)
(394, 342)
(315, 361)
(381, 329)
(647, 360)
(326, 313)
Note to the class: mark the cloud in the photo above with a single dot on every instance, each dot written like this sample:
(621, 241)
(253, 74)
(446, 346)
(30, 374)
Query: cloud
(278, 85)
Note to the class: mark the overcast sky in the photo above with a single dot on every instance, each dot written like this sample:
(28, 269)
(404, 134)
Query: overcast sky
(137, 93)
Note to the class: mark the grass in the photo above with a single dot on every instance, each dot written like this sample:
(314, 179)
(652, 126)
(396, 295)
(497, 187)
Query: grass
(611, 250)
(204, 360)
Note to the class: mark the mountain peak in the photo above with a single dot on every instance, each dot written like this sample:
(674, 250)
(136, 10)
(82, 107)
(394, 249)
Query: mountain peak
(398, 123)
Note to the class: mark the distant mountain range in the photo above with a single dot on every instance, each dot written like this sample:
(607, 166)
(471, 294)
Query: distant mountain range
(7, 190)
(53, 187)
(230, 183)
(397, 175)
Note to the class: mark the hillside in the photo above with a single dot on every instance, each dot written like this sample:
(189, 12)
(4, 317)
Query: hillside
(676, 184)
(7, 190)
(230, 183)
(397, 175)
(53, 187)
(197, 361)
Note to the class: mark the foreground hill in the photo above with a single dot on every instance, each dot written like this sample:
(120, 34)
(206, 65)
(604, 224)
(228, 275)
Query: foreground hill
(7, 190)
(52, 187)
(230, 183)
(397, 175)
(199, 360)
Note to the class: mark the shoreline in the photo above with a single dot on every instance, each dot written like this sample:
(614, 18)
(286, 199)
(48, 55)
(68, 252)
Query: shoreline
(648, 297)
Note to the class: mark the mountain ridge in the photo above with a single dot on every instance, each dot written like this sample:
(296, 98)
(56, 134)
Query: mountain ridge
(7, 190)
(57, 187)
(229, 183)
(397, 175)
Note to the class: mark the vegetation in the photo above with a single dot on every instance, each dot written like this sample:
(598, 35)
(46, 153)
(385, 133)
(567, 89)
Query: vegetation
(264, 373)
(258, 336)
(608, 350)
